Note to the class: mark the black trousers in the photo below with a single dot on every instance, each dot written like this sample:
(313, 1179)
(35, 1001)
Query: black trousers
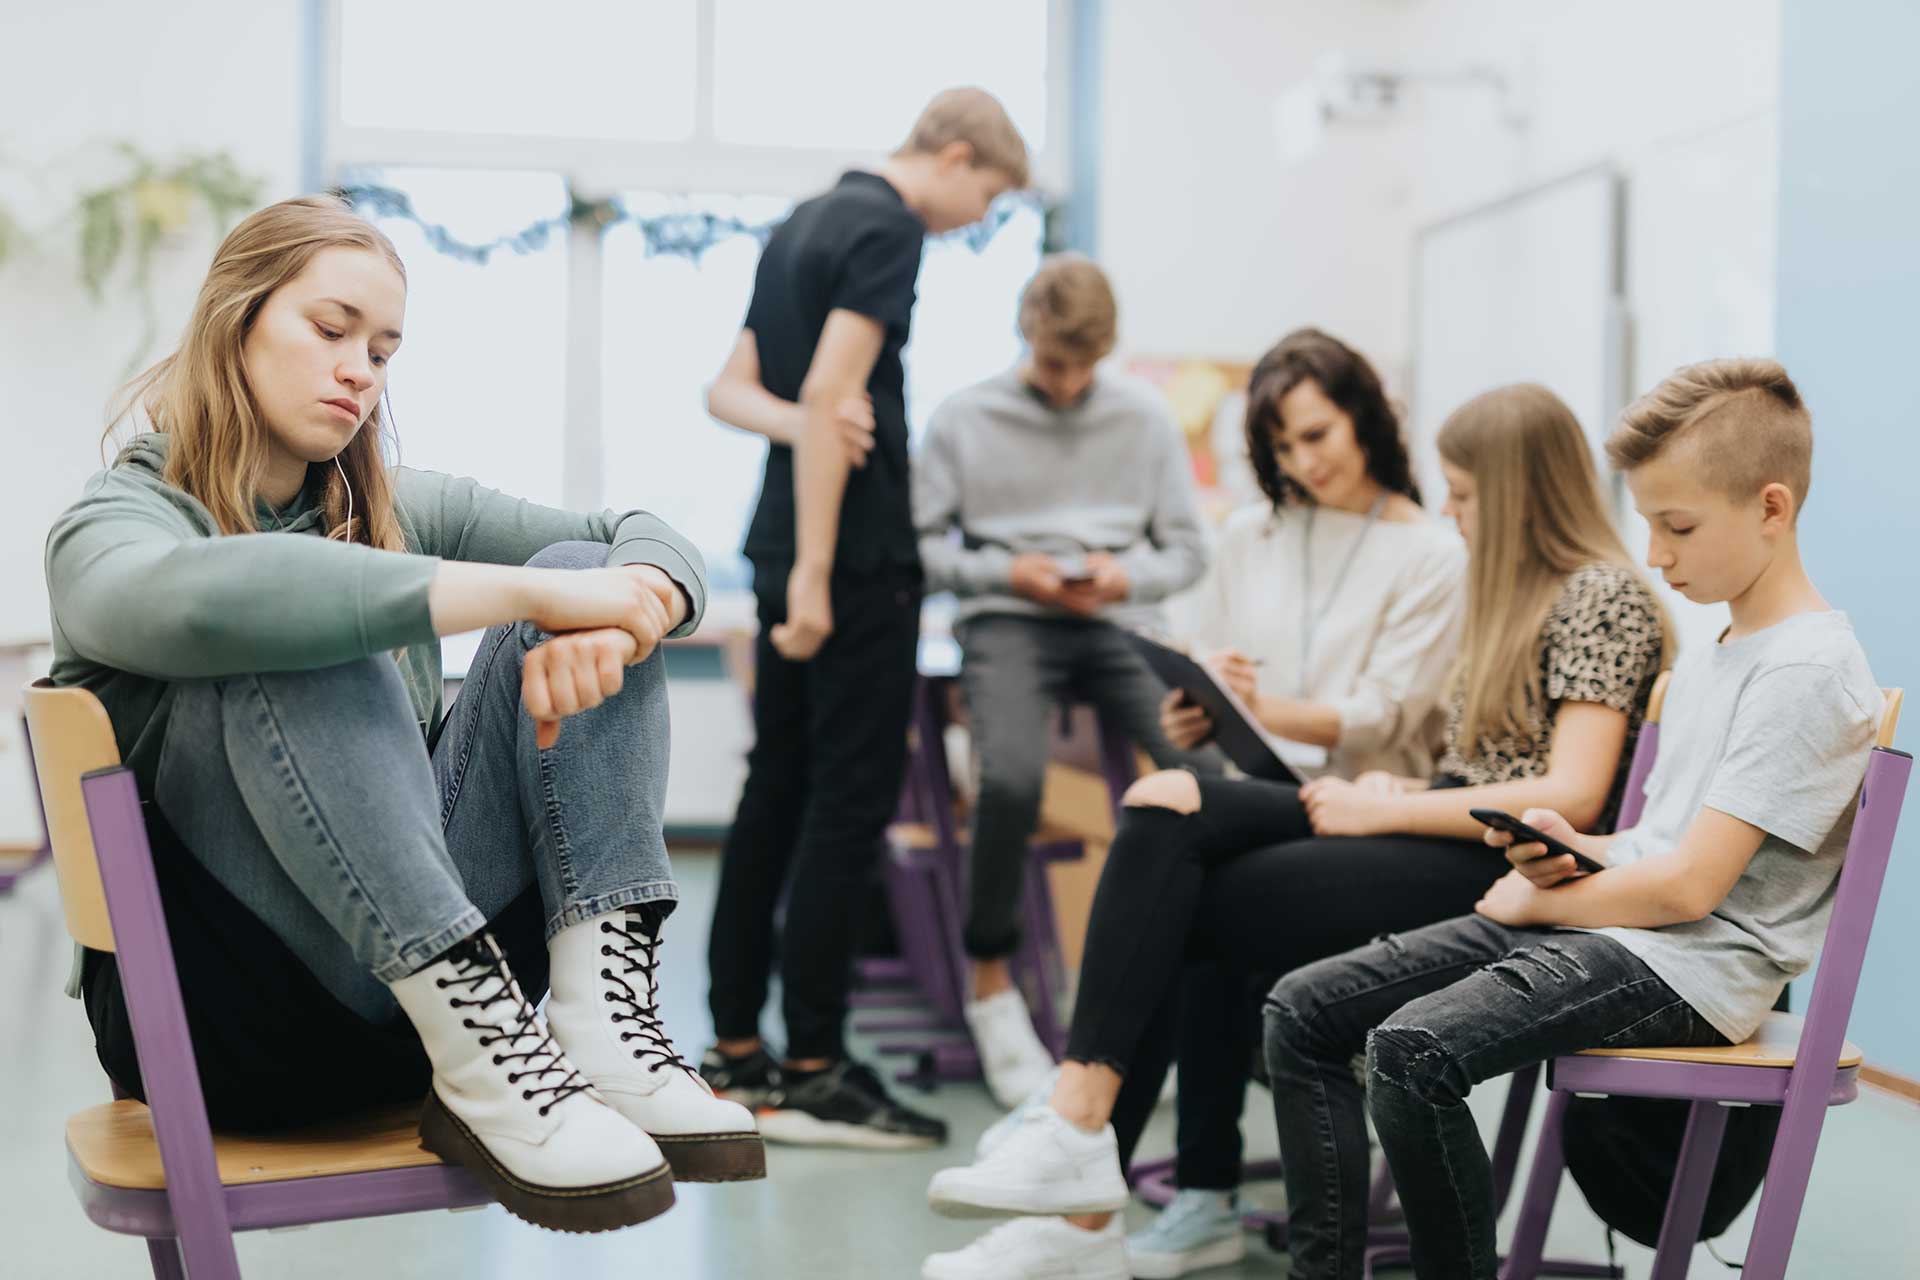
(823, 780)
(1242, 885)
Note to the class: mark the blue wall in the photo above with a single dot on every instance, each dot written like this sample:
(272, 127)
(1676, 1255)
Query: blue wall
(1849, 333)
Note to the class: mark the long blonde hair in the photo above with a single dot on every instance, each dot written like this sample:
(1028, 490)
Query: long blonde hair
(199, 395)
(1540, 517)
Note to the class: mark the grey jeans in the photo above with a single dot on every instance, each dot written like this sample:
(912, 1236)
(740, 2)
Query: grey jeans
(1016, 671)
(313, 799)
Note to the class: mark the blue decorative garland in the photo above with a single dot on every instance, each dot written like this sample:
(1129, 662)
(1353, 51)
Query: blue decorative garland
(687, 233)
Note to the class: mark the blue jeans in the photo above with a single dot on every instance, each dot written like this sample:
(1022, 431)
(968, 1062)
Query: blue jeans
(1437, 1010)
(313, 799)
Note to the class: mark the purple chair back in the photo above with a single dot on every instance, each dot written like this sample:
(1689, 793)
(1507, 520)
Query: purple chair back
(103, 842)
(1834, 986)
(1633, 800)
(112, 902)
(1814, 1081)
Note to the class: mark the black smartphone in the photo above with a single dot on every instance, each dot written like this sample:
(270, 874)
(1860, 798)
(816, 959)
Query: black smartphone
(1500, 820)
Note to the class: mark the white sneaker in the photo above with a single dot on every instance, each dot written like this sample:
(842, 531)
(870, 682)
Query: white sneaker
(1006, 1126)
(1197, 1230)
(1046, 1166)
(605, 1012)
(1033, 1248)
(507, 1104)
(1011, 1055)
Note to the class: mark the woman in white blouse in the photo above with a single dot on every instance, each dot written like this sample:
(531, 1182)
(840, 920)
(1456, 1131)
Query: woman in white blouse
(1333, 609)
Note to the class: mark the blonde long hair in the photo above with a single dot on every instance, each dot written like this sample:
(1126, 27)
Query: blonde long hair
(1540, 517)
(199, 395)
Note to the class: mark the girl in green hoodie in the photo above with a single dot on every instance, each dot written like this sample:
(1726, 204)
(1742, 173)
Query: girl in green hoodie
(351, 882)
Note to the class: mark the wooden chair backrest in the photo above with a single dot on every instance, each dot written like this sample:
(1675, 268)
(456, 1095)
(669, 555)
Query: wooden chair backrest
(72, 736)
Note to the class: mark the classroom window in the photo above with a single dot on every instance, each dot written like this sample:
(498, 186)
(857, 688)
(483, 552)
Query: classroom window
(567, 69)
(478, 385)
(806, 75)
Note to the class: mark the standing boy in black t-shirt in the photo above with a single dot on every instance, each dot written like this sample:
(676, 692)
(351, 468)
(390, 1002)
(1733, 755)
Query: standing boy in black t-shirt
(837, 575)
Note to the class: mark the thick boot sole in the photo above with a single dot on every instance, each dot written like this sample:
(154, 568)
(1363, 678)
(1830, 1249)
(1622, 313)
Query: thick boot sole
(714, 1157)
(606, 1207)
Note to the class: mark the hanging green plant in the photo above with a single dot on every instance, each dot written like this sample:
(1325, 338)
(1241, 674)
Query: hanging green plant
(12, 238)
(152, 204)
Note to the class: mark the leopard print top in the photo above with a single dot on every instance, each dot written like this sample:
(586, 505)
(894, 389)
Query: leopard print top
(1601, 643)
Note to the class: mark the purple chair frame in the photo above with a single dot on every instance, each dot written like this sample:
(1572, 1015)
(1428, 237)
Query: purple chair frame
(1803, 1091)
(926, 899)
(189, 1225)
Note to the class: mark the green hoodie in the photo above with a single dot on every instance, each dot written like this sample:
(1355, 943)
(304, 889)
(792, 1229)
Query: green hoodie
(146, 592)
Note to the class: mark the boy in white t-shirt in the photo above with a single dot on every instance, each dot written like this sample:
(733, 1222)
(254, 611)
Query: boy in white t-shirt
(1708, 907)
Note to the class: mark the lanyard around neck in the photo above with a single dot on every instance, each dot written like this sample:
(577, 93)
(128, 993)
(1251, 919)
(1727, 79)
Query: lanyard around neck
(1309, 616)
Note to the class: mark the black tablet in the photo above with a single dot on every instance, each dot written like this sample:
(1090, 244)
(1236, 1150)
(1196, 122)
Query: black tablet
(1241, 740)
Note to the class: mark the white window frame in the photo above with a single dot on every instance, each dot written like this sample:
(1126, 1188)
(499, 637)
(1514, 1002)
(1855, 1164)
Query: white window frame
(596, 169)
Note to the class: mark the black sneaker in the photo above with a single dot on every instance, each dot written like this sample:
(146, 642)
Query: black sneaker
(747, 1080)
(844, 1106)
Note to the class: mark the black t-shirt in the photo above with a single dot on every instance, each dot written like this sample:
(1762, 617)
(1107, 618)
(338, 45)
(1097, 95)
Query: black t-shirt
(855, 248)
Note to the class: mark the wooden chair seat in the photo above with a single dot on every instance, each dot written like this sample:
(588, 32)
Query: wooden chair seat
(919, 835)
(113, 1145)
(1775, 1044)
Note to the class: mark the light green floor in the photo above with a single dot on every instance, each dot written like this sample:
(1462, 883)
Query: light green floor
(833, 1215)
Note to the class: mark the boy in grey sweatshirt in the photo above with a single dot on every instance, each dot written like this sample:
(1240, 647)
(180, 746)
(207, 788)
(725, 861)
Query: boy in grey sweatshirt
(1057, 503)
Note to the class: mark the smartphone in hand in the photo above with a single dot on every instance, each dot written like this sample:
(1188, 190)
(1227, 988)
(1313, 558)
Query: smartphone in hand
(1500, 820)
(1074, 571)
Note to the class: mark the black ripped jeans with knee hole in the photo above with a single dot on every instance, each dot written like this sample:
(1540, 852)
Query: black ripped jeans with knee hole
(1436, 1011)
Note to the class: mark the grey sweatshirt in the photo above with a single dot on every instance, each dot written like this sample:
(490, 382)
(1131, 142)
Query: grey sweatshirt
(1001, 472)
(146, 592)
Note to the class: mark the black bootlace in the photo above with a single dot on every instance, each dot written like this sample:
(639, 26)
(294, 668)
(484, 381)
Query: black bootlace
(641, 1008)
(477, 965)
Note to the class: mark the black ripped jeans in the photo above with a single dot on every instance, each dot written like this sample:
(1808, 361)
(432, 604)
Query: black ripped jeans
(1437, 1010)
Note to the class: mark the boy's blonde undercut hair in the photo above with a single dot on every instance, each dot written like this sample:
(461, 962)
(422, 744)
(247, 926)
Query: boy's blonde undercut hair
(1743, 419)
(975, 117)
(1069, 306)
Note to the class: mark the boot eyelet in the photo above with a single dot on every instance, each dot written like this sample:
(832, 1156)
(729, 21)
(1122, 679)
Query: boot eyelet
(497, 1061)
(605, 927)
(543, 1111)
(468, 1023)
(606, 973)
(605, 950)
(606, 996)
(440, 983)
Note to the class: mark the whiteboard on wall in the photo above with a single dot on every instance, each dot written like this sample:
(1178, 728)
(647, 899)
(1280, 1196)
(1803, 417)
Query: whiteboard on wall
(1525, 289)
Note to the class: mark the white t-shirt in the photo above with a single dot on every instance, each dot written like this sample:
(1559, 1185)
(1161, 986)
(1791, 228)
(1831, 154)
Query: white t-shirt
(1773, 729)
(1382, 639)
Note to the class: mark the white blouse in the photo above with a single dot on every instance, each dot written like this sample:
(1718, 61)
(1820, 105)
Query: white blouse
(1379, 642)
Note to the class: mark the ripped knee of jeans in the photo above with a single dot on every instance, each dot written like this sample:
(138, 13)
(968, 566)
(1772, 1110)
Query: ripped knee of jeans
(1287, 1016)
(1414, 1060)
(1173, 789)
(1526, 970)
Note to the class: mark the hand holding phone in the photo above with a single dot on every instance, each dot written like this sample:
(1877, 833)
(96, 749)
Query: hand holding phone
(1074, 570)
(1500, 820)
